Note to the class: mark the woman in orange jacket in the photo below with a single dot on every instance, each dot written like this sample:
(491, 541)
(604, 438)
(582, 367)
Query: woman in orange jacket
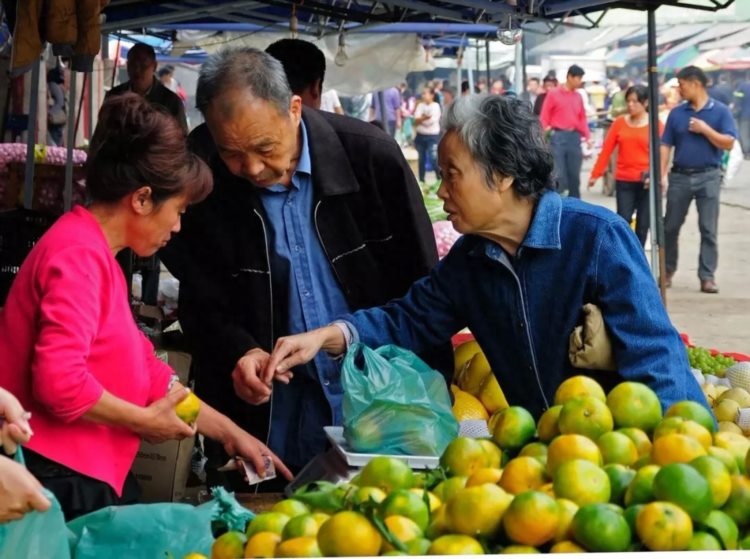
(630, 135)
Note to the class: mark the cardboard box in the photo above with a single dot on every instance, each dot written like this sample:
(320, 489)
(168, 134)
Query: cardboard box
(162, 469)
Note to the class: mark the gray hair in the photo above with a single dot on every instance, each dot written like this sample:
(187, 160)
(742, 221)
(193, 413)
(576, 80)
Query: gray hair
(244, 68)
(505, 139)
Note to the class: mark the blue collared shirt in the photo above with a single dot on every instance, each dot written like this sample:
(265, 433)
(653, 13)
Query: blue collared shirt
(523, 308)
(299, 262)
(690, 148)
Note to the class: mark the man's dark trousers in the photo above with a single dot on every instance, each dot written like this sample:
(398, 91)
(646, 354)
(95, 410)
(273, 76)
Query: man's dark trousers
(566, 149)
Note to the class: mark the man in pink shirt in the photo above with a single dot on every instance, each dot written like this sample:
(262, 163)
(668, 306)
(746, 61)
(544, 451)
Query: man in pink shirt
(564, 115)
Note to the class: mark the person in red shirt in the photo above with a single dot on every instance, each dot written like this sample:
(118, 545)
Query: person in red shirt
(564, 116)
(629, 134)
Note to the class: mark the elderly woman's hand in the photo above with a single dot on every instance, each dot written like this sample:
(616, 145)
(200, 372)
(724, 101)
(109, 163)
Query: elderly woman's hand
(15, 423)
(299, 349)
(159, 422)
(20, 492)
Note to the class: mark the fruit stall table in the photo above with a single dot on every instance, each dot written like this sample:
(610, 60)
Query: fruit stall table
(258, 502)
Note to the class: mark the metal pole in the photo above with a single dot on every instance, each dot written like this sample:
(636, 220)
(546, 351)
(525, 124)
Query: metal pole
(487, 61)
(28, 185)
(654, 168)
(525, 94)
(383, 117)
(518, 80)
(70, 142)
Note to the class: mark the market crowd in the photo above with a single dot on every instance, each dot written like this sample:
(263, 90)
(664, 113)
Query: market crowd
(296, 232)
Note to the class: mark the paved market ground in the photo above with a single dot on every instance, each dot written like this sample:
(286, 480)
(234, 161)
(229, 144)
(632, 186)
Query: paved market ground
(720, 321)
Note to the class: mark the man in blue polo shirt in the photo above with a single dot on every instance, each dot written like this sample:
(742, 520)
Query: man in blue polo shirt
(699, 129)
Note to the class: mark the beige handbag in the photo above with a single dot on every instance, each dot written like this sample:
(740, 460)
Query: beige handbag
(590, 347)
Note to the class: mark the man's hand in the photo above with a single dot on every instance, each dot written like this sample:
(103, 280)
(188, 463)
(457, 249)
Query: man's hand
(248, 380)
(15, 425)
(592, 182)
(20, 492)
(302, 348)
(243, 444)
(159, 421)
(698, 126)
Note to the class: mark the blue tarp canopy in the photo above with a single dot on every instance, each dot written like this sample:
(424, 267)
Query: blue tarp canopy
(321, 17)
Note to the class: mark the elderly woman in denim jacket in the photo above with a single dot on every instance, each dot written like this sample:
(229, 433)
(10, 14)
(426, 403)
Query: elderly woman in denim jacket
(527, 263)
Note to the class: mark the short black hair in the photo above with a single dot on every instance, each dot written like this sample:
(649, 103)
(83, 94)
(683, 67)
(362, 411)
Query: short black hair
(533, 79)
(693, 73)
(623, 83)
(464, 86)
(142, 49)
(640, 92)
(576, 71)
(304, 63)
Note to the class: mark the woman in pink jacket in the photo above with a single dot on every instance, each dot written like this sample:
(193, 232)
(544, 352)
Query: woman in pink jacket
(70, 349)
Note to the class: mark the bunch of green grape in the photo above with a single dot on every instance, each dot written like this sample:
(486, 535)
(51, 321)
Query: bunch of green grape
(701, 358)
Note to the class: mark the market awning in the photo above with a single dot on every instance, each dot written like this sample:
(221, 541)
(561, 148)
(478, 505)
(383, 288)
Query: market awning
(585, 40)
(739, 39)
(713, 32)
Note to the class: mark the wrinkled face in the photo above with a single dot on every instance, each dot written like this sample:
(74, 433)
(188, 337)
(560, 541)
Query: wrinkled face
(255, 140)
(155, 225)
(141, 72)
(471, 206)
(635, 107)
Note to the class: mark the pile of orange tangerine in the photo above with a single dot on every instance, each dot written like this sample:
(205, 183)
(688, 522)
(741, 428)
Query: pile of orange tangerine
(598, 472)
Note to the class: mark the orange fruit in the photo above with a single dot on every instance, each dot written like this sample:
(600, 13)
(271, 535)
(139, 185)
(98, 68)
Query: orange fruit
(664, 527)
(684, 486)
(617, 448)
(738, 504)
(684, 426)
(267, 522)
(491, 395)
(403, 528)
(736, 444)
(463, 456)
(522, 474)
(536, 450)
(577, 387)
(703, 541)
(568, 510)
(587, 416)
(387, 474)
(484, 475)
(477, 511)
(531, 518)
(188, 408)
(230, 545)
(718, 477)
(366, 493)
(693, 410)
(403, 502)
(291, 507)
(518, 549)
(433, 500)
(641, 489)
(467, 407)
(348, 534)
(582, 482)
(418, 546)
(640, 440)
(262, 544)
(721, 525)
(676, 448)
(298, 547)
(495, 458)
(569, 447)
(566, 547)
(619, 479)
(547, 428)
(600, 528)
(725, 457)
(449, 487)
(514, 428)
(634, 405)
(455, 544)
(303, 525)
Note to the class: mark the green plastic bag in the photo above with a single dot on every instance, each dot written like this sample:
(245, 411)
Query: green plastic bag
(156, 531)
(37, 534)
(394, 403)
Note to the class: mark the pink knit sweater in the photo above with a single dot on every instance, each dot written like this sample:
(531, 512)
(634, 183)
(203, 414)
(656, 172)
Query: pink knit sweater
(67, 334)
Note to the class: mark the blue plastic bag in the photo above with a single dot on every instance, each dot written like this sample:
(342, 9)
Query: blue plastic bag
(394, 403)
(37, 534)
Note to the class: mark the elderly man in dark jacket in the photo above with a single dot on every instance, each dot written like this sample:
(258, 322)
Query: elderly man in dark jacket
(312, 215)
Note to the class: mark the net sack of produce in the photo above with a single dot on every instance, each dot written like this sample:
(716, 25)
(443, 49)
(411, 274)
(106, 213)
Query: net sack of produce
(37, 534)
(156, 531)
(394, 403)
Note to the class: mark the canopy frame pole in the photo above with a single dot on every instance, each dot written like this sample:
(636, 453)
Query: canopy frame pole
(70, 142)
(487, 62)
(655, 203)
(28, 186)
